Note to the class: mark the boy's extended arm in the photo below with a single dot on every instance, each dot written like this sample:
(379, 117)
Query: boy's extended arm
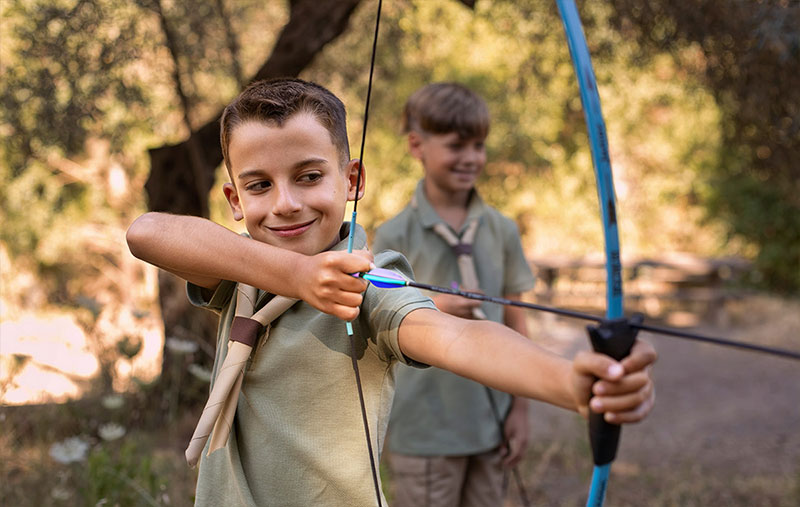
(494, 355)
(204, 253)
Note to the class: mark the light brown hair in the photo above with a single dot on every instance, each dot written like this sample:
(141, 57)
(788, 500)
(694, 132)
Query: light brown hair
(441, 108)
(274, 101)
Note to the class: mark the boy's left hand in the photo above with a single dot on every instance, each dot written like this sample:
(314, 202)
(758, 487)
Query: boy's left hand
(622, 390)
(516, 429)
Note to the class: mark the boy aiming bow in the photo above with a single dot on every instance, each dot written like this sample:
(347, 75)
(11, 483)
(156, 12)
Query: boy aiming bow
(296, 437)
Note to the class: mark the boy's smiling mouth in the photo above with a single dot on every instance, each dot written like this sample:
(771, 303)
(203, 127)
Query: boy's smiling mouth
(290, 231)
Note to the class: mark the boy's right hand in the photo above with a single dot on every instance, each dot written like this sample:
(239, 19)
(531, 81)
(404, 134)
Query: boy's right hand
(325, 281)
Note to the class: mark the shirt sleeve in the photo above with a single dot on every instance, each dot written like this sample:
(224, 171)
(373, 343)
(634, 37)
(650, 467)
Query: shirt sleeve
(385, 309)
(383, 240)
(518, 275)
(216, 301)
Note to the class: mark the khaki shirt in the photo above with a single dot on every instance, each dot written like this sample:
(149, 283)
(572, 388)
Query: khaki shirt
(298, 436)
(438, 413)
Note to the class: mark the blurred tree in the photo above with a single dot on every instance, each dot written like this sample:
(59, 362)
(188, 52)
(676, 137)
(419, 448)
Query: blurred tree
(751, 62)
(701, 102)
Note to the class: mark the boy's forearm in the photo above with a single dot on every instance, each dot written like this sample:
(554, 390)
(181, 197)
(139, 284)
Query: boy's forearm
(204, 252)
(489, 353)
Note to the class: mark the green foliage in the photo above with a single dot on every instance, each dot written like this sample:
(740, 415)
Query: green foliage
(700, 156)
(68, 70)
(767, 214)
(663, 124)
(122, 476)
(749, 59)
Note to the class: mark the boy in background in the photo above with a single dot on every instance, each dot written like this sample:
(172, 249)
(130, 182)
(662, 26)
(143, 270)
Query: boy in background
(297, 437)
(451, 439)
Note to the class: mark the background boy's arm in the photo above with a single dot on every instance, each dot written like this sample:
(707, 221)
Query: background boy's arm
(494, 355)
(204, 253)
(516, 425)
(455, 305)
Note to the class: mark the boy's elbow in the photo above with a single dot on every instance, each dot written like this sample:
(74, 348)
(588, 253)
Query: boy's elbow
(140, 231)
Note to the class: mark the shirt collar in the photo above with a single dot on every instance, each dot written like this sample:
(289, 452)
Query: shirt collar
(428, 216)
(359, 239)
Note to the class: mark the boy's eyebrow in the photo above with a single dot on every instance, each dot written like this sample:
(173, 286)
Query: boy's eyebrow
(298, 165)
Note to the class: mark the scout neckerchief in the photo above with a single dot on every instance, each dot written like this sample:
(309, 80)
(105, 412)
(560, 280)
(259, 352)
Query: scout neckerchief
(462, 248)
(217, 417)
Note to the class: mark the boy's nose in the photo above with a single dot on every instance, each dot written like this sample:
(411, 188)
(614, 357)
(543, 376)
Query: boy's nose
(471, 155)
(286, 202)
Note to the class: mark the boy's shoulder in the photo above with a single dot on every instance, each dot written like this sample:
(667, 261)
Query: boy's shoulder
(497, 218)
(397, 224)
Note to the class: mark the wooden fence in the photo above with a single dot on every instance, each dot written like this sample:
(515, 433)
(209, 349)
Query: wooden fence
(679, 288)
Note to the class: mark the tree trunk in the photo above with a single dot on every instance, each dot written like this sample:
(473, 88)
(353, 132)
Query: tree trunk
(312, 24)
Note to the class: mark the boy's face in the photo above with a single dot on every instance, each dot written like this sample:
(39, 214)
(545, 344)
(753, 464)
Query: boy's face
(451, 163)
(287, 183)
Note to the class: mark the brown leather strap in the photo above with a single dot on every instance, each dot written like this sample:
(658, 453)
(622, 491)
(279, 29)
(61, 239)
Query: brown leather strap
(245, 330)
(217, 417)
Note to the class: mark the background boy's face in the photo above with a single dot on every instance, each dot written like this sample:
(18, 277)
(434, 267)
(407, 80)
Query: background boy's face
(451, 163)
(287, 183)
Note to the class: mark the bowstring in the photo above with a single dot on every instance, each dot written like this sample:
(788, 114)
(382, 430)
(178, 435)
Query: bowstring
(349, 325)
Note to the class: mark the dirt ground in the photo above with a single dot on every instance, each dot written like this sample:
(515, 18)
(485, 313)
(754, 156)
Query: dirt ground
(725, 429)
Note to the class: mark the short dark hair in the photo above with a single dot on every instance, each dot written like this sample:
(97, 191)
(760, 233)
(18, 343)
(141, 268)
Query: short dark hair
(441, 108)
(274, 101)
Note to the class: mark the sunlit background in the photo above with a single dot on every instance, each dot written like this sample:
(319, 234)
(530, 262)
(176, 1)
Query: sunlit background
(102, 366)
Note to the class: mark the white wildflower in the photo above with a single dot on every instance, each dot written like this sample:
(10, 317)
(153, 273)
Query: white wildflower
(69, 450)
(111, 431)
(61, 493)
(113, 401)
(179, 346)
(199, 372)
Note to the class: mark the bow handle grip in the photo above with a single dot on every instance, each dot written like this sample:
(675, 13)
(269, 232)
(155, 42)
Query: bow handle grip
(615, 338)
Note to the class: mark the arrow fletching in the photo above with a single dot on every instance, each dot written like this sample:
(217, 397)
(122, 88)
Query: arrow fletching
(384, 278)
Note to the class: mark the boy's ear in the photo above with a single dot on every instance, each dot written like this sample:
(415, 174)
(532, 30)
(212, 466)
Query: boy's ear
(352, 179)
(233, 200)
(415, 140)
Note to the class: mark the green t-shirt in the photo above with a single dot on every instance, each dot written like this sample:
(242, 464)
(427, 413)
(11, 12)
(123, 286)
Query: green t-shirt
(438, 413)
(298, 436)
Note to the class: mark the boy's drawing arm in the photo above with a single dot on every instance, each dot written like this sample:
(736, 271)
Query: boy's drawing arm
(204, 253)
(494, 355)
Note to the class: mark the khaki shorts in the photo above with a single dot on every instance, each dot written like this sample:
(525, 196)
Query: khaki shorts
(447, 481)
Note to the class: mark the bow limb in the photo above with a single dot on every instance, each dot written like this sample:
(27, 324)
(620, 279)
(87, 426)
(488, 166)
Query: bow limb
(605, 190)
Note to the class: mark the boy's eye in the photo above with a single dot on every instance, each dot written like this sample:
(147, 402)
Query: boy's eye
(258, 186)
(310, 177)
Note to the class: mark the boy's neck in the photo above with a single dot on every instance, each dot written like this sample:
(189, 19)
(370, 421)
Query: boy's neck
(450, 206)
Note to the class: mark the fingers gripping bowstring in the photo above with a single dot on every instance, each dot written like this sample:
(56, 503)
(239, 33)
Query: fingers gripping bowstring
(349, 325)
